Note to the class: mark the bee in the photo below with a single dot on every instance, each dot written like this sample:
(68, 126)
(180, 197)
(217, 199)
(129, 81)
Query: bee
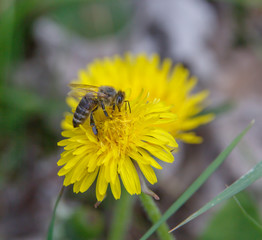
(94, 97)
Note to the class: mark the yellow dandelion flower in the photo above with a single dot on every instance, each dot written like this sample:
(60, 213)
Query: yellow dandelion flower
(128, 143)
(172, 85)
(125, 142)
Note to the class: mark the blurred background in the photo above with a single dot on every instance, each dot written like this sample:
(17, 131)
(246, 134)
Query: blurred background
(43, 44)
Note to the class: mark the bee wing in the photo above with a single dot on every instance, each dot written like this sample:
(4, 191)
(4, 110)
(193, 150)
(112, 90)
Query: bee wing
(85, 87)
(80, 90)
(77, 93)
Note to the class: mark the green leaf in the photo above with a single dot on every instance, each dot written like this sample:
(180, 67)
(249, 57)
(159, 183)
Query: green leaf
(247, 215)
(197, 183)
(242, 183)
(231, 223)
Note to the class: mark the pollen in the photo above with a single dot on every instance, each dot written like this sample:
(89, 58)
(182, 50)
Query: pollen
(119, 128)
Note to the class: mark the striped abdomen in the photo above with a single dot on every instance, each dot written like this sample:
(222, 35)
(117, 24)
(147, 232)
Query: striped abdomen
(84, 108)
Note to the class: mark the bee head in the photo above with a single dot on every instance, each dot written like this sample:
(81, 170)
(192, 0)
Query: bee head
(120, 97)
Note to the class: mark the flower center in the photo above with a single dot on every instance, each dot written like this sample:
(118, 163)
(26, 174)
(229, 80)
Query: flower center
(115, 131)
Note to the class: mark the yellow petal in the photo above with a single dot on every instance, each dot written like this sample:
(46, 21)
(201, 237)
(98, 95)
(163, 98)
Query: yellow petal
(148, 173)
(153, 140)
(71, 146)
(116, 188)
(163, 136)
(130, 177)
(63, 171)
(80, 170)
(92, 164)
(72, 102)
(197, 121)
(99, 197)
(74, 160)
(158, 152)
(149, 158)
(189, 137)
(68, 133)
(65, 159)
(68, 177)
(88, 180)
(63, 142)
(101, 181)
(113, 170)
(139, 158)
(76, 187)
(81, 150)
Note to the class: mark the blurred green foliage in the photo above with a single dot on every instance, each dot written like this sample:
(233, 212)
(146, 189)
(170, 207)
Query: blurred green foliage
(246, 3)
(26, 121)
(231, 223)
(84, 223)
(221, 109)
(89, 18)
(94, 18)
(25, 115)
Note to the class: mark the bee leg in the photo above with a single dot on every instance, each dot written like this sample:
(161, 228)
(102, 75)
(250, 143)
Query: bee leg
(104, 109)
(92, 123)
(119, 109)
(114, 107)
(127, 103)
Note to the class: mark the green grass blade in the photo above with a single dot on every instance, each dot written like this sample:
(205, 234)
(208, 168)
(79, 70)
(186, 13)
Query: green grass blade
(51, 226)
(251, 219)
(242, 183)
(198, 182)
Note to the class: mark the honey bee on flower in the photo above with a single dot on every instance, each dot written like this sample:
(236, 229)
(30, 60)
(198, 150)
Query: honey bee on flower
(94, 97)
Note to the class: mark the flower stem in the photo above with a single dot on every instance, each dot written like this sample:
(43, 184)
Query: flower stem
(154, 215)
(52, 223)
(122, 217)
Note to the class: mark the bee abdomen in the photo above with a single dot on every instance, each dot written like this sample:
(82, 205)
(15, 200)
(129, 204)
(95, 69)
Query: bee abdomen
(78, 118)
(76, 122)
(82, 110)
(85, 106)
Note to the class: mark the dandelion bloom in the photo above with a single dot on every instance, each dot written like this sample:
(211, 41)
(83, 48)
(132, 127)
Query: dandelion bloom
(130, 143)
(172, 85)
(122, 139)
